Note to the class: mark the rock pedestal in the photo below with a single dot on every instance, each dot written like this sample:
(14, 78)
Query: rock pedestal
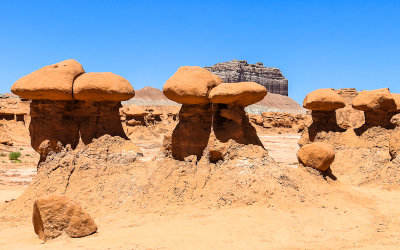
(191, 134)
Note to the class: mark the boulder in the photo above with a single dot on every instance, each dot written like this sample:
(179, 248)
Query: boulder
(323, 100)
(53, 82)
(190, 85)
(379, 99)
(318, 155)
(100, 87)
(53, 215)
(241, 93)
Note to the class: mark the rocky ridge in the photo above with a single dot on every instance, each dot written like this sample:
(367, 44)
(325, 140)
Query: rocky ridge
(240, 71)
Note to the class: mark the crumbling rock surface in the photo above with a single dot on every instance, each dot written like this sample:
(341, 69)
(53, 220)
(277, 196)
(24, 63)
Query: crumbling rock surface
(109, 175)
(53, 215)
(280, 121)
(240, 71)
(191, 134)
(52, 126)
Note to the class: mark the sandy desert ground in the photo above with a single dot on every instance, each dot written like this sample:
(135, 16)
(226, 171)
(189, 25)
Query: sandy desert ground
(349, 217)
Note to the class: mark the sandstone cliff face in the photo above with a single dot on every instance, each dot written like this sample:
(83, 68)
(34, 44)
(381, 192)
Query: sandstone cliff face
(241, 71)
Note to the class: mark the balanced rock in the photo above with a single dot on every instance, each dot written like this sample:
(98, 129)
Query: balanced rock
(230, 119)
(99, 87)
(379, 99)
(190, 85)
(241, 93)
(324, 100)
(378, 106)
(53, 82)
(53, 215)
(318, 155)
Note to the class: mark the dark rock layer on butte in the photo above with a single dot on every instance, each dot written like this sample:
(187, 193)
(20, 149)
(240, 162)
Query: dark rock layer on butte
(240, 71)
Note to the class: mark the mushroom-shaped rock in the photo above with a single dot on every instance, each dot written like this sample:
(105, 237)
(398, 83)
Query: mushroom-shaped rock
(241, 93)
(323, 100)
(318, 155)
(190, 85)
(378, 106)
(53, 215)
(323, 104)
(53, 82)
(100, 87)
(101, 95)
(230, 119)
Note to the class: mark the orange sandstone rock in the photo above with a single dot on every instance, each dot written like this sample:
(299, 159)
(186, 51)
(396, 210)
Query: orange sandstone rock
(106, 86)
(53, 82)
(323, 100)
(379, 99)
(190, 85)
(241, 93)
(53, 215)
(318, 155)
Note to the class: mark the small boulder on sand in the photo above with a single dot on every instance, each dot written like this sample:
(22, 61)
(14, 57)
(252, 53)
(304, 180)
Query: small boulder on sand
(323, 100)
(53, 215)
(105, 86)
(379, 99)
(52, 82)
(190, 85)
(241, 93)
(318, 155)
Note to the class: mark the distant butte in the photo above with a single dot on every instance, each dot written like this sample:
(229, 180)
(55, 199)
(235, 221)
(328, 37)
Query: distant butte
(241, 71)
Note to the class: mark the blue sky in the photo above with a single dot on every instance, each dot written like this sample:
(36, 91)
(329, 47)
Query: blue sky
(316, 44)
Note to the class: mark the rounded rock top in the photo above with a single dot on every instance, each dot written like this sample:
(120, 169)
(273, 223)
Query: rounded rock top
(241, 93)
(323, 100)
(379, 99)
(190, 85)
(104, 86)
(52, 82)
(396, 98)
(318, 155)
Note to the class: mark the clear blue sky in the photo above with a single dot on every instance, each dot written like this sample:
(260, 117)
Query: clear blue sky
(316, 44)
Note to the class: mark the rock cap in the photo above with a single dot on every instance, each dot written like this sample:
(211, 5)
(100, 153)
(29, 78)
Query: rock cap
(323, 100)
(52, 82)
(105, 86)
(190, 85)
(379, 99)
(241, 93)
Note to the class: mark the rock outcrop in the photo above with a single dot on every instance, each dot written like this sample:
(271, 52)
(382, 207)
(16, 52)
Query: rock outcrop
(230, 120)
(53, 215)
(68, 105)
(190, 86)
(240, 71)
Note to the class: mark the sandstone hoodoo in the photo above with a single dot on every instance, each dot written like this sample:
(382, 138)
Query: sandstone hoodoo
(324, 103)
(317, 155)
(53, 215)
(50, 89)
(378, 105)
(190, 86)
(230, 119)
(101, 95)
(67, 105)
(240, 71)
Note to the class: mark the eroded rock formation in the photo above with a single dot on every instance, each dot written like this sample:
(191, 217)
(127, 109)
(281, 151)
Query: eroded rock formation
(68, 105)
(240, 71)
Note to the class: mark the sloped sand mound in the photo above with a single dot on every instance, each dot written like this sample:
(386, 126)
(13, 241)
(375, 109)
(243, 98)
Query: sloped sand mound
(110, 175)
